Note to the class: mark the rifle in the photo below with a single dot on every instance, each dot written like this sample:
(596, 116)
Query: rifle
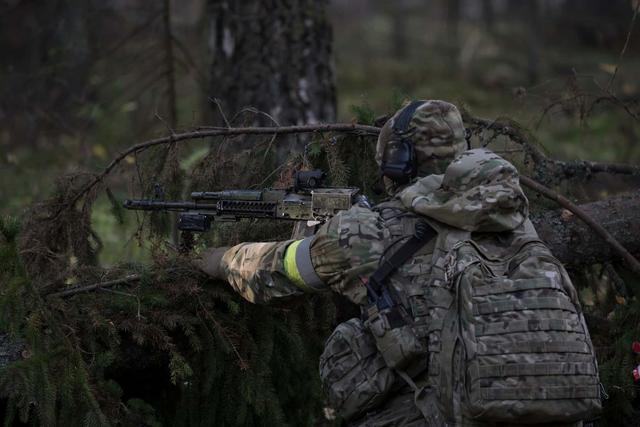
(307, 200)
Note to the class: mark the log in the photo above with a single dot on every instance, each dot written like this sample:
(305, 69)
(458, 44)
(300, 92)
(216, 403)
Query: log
(575, 244)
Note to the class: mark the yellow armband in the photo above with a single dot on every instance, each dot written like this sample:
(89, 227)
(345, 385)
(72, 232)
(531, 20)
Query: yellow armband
(299, 268)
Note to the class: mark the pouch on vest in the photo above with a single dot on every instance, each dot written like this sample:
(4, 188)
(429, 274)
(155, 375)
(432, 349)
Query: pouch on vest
(394, 336)
(515, 346)
(354, 375)
(387, 319)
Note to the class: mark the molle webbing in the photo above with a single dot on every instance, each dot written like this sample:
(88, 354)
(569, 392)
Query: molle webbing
(531, 325)
(524, 304)
(538, 369)
(513, 339)
(534, 347)
(508, 286)
(537, 393)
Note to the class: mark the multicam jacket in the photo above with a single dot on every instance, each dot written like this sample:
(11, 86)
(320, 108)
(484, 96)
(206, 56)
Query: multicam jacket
(479, 193)
(348, 248)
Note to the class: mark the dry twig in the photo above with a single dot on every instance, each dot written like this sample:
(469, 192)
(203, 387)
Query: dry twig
(626, 44)
(126, 280)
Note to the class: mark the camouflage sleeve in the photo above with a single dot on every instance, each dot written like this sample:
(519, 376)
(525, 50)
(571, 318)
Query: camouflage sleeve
(346, 251)
(256, 271)
(343, 253)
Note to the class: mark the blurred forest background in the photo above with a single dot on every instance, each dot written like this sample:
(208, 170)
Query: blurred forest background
(82, 80)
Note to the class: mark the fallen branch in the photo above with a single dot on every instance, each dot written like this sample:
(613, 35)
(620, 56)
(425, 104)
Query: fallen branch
(218, 131)
(631, 261)
(574, 243)
(512, 131)
(126, 280)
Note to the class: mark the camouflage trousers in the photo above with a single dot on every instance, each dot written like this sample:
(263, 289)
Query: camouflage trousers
(401, 411)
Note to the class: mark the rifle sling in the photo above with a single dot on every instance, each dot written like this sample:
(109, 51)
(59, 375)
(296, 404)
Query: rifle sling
(424, 233)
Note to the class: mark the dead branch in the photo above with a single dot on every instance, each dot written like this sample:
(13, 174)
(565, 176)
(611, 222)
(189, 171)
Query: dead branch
(624, 48)
(218, 131)
(511, 130)
(126, 280)
(631, 261)
(573, 241)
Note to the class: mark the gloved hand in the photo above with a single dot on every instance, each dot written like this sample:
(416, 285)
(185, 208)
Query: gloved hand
(210, 261)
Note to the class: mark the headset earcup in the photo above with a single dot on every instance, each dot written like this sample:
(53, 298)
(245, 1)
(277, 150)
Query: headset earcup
(412, 169)
(399, 164)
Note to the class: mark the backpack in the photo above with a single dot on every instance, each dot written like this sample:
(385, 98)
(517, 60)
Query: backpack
(514, 346)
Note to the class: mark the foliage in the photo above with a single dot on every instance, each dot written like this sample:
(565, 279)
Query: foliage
(215, 360)
(173, 348)
(615, 371)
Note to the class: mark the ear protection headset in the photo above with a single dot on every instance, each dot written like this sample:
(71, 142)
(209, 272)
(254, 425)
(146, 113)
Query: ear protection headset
(399, 162)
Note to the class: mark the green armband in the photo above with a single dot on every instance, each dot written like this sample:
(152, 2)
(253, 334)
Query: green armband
(298, 266)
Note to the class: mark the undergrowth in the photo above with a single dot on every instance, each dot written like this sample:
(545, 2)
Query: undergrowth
(173, 347)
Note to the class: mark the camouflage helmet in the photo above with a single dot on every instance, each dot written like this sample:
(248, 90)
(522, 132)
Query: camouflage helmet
(480, 191)
(434, 129)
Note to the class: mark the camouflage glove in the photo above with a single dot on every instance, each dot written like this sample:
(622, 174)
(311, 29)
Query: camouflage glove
(210, 262)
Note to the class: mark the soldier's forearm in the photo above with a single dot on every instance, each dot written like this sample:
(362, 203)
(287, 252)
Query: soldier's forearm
(257, 272)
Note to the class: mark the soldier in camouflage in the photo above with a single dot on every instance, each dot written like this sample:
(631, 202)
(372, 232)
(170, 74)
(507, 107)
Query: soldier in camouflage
(375, 374)
(351, 244)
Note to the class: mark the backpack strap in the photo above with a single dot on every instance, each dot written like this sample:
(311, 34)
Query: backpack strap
(376, 288)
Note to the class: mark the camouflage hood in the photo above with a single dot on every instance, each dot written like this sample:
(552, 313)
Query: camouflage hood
(437, 134)
(479, 191)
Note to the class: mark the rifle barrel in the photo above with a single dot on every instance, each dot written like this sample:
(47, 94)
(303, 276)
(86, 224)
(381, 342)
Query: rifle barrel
(159, 205)
(247, 195)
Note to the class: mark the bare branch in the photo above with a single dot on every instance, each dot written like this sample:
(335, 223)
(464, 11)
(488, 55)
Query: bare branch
(218, 131)
(624, 48)
(631, 261)
(126, 280)
(514, 132)
(216, 101)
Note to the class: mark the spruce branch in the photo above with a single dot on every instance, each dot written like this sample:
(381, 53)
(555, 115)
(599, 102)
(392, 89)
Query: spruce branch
(515, 133)
(509, 129)
(204, 132)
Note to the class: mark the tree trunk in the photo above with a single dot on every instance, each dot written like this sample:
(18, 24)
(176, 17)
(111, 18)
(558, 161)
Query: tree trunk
(397, 12)
(532, 23)
(274, 56)
(46, 60)
(453, 30)
(575, 244)
(488, 15)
